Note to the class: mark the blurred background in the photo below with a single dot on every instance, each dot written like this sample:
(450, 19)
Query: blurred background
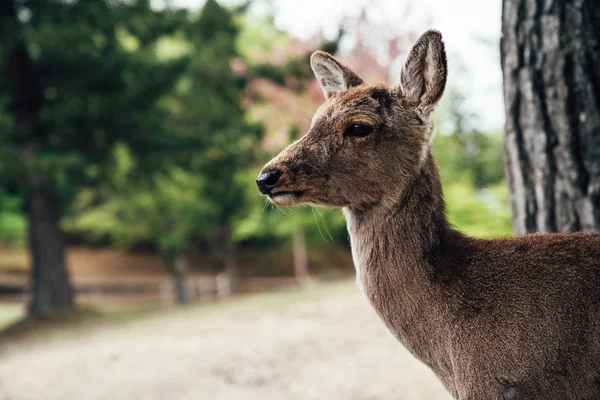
(131, 133)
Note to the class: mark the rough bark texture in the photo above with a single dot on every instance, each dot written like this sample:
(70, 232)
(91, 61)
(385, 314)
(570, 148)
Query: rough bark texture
(551, 68)
(51, 289)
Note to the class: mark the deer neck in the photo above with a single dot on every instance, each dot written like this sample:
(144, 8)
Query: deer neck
(396, 252)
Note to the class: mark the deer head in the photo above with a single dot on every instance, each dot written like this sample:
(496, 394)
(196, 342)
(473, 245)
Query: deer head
(366, 141)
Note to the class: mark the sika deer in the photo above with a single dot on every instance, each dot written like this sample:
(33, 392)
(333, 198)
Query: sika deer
(513, 318)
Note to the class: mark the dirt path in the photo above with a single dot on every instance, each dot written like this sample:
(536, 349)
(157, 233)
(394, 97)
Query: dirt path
(319, 344)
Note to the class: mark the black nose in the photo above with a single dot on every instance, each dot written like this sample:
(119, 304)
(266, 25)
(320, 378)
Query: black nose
(267, 180)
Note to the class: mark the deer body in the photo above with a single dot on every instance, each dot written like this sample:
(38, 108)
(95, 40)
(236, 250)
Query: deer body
(514, 318)
(490, 317)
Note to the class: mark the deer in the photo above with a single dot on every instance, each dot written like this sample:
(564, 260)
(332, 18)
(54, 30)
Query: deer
(505, 318)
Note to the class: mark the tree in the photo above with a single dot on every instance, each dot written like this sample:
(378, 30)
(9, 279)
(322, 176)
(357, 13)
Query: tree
(470, 163)
(51, 286)
(163, 209)
(209, 112)
(550, 58)
(197, 185)
(474, 155)
(80, 77)
(281, 98)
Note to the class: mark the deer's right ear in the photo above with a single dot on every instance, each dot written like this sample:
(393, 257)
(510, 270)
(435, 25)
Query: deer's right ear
(423, 77)
(333, 76)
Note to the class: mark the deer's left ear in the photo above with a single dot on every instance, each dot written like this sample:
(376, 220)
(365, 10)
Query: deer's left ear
(423, 78)
(333, 76)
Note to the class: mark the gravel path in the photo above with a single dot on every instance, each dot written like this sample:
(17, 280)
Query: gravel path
(324, 343)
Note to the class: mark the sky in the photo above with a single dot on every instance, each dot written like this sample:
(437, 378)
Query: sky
(471, 31)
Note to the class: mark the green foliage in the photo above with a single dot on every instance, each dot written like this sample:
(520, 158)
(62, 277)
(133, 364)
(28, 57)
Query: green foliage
(146, 140)
(12, 220)
(200, 187)
(100, 77)
(98, 89)
(271, 72)
(471, 169)
(259, 36)
(211, 113)
(481, 213)
(162, 209)
(462, 151)
(266, 222)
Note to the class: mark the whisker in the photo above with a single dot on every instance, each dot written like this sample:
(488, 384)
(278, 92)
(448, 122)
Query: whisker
(271, 207)
(325, 226)
(318, 226)
(283, 210)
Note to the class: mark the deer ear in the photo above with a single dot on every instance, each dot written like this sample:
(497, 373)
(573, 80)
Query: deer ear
(333, 76)
(423, 77)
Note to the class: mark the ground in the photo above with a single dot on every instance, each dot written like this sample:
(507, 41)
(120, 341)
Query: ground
(318, 343)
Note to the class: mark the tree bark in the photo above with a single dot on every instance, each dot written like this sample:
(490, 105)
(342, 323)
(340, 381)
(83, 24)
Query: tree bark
(551, 68)
(177, 268)
(51, 289)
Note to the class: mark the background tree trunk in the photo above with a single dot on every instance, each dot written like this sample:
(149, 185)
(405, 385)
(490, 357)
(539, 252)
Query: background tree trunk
(51, 289)
(300, 255)
(551, 68)
(177, 268)
(233, 271)
(223, 257)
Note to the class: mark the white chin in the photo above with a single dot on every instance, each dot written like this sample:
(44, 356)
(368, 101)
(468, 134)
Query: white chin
(284, 199)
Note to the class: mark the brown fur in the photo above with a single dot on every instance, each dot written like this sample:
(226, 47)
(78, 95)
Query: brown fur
(513, 318)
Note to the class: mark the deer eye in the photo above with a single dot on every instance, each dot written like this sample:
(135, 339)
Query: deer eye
(358, 130)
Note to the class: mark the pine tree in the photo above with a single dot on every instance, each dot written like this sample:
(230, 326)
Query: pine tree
(80, 77)
(212, 114)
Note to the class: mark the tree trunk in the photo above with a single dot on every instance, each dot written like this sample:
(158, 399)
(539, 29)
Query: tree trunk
(232, 269)
(51, 290)
(551, 68)
(300, 256)
(223, 258)
(177, 268)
